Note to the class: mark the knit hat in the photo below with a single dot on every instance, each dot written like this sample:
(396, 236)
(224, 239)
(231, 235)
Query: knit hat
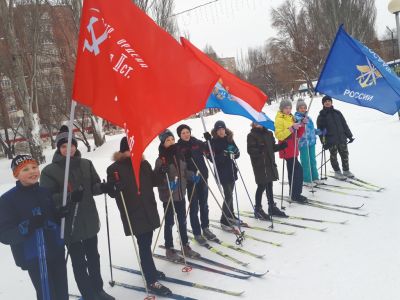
(181, 127)
(300, 103)
(326, 98)
(164, 135)
(20, 161)
(62, 137)
(219, 124)
(123, 145)
(285, 103)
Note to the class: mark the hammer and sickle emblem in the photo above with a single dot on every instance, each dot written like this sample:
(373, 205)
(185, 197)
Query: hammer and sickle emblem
(96, 41)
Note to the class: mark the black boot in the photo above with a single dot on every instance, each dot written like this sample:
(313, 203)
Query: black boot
(102, 295)
(160, 275)
(159, 289)
(273, 210)
(259, 213)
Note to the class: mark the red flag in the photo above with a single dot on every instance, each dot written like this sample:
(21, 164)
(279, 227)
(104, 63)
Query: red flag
(134, 74)
(242, 89)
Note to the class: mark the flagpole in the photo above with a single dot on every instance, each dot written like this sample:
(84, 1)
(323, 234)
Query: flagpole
(67, 162)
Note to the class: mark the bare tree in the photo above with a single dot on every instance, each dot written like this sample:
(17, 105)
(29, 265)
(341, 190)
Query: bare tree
(31, 120)
(161, 11)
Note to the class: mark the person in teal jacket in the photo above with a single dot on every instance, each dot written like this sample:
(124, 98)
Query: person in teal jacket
(307, 145)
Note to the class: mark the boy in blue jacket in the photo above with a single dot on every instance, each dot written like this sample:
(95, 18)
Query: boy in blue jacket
(25, 209)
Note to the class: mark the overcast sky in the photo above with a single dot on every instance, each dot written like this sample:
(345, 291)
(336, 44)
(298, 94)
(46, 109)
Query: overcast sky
(231, 26)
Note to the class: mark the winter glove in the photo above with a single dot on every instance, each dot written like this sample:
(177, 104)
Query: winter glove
(351, 140)
(195, 179)
(28, 227)
(63, 212)
(110, 187)
(173, 185)
(77, 195)
(164, 169)
(305, 120)
(294, 127)
(326, 146)
(282, 146)
(207, 136)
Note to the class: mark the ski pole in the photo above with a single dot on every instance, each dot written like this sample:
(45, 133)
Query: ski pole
(240, 236)
(232, 157)
(161, 225)
(283, 179)
(245, 187)
(44, 278)
(112, 282)
(191, 195)
(186, 268)
(148, 297)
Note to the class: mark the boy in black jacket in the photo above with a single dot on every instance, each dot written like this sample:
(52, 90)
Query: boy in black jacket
(19, 225)
(336, 135)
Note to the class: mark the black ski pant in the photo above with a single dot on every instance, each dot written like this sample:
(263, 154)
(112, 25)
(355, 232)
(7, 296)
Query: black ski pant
(297, 184)
(199, 202)
(227, 207)
(268, 191)
(146, 257)
(57, 274)
(180, 208)
(85, 260)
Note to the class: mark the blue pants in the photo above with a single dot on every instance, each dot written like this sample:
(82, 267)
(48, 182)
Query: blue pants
(306, 162)
(199, 200)
(146, 256)
(180, 207)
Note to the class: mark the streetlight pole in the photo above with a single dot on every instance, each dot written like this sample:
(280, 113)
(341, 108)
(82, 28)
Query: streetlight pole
(393, 55)
(394, 8)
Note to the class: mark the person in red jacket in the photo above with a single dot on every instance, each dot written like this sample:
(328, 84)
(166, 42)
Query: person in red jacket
(286, 129)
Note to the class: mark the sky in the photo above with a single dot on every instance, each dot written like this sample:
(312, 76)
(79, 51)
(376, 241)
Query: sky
(232, 26)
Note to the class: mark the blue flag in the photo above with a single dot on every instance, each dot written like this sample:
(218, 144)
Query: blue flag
(230, 104)
(355, 74)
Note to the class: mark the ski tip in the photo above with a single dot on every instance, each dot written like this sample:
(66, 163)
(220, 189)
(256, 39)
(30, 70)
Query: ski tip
(344, 222)
(324, 229)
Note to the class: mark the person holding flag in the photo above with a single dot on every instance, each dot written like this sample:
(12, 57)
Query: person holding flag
(141, 207)
(338, 135)
(288, 130)
(83, 224)
(18, 226)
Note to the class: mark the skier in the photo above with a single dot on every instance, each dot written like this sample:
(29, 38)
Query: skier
(82, 225)
(191, 148)
(338, 134)
(307, 145)
(141, 207)
(225, 151)
(261, 147)
(18, 225)
(286, 129)
(170, 162)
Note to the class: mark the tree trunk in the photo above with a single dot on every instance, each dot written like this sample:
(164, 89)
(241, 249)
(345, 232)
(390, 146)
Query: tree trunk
(98, 132)
(30, 120)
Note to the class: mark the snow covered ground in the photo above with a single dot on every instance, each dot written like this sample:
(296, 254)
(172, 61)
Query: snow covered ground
(359, 260)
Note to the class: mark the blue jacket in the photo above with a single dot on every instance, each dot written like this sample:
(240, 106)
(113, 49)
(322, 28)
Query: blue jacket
(16, 207)
(310, 132)
(195, 149)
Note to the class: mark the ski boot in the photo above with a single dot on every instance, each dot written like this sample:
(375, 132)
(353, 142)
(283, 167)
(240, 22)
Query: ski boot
(207, 233)
(172, 255)
(273, 210)
(160, 275)
(190, 253)
(102, 295)
(348, 174)
(159, 289)
(338, 175)
(200, 239)
(259, 213)
(300, 199)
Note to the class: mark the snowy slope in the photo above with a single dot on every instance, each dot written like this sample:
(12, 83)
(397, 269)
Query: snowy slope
(355, 261)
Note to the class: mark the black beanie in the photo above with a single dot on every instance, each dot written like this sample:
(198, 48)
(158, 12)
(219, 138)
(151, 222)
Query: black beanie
(164, 135)
(20, 161)
(123, 145)
(219, 124)
(62, 137)
(181, 127)
(326, 98)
